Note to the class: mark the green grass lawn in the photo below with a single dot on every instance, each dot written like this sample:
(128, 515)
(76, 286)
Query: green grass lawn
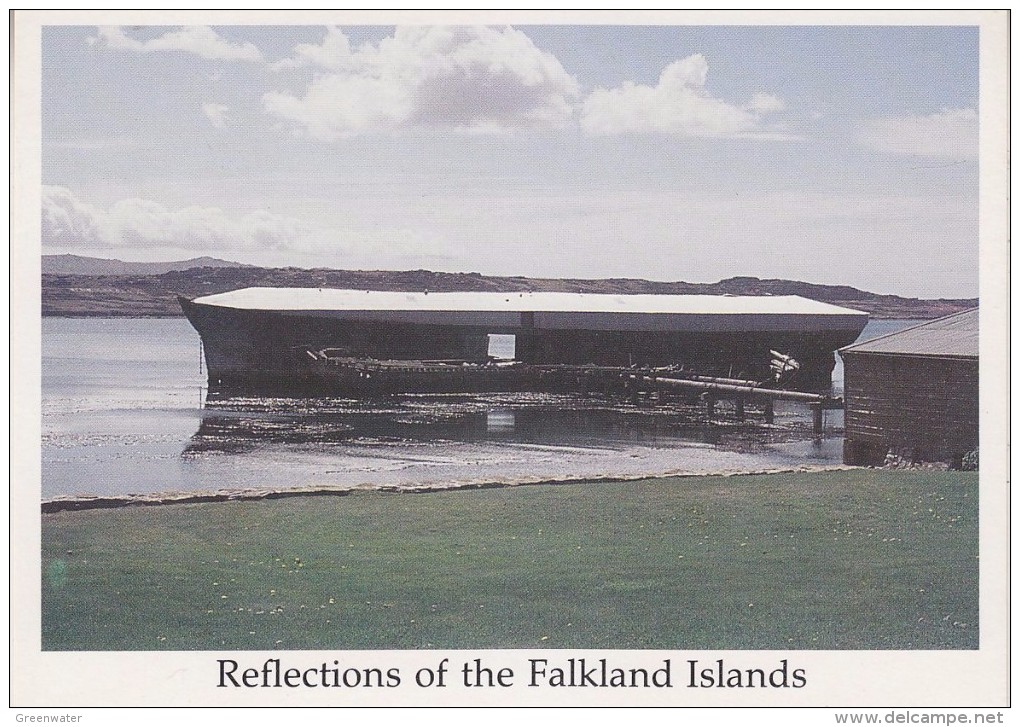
(862, 559)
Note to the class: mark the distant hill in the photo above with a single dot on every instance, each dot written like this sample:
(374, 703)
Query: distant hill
(145, 294)
(80, 265)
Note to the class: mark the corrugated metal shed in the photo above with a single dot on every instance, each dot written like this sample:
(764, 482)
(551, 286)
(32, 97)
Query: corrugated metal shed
(954, 336)
(913, 393)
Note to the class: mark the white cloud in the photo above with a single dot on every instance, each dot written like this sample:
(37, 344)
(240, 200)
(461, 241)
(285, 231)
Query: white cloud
(765, 103)
(139, 228)
(217, 113)
(67, 220)
(200, 40)
(70, 223)
(458, 77)
(679, 104)
(949, 133)
(334, 53)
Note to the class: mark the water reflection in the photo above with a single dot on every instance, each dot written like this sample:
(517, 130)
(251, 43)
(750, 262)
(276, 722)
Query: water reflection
(236, 425)
(500, 420)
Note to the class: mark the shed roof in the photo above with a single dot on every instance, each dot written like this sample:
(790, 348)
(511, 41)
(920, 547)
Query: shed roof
(954, 336)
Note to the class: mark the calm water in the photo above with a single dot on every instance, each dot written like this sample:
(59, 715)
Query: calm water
(124, 410)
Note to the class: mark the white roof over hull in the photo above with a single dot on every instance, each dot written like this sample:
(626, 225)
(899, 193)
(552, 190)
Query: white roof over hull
(326, 299)
(516, 312)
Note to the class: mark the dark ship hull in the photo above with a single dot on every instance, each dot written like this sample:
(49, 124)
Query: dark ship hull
(352, 352)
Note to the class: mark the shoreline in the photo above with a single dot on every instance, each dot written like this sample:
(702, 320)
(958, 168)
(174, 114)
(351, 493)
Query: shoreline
(77, 503)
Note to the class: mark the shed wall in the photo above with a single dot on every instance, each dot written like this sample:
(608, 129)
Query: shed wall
(924, 408)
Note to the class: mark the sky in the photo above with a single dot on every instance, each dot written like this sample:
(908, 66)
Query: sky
(828, 154)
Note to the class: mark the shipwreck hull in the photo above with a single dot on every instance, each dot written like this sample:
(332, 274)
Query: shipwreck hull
(273, 350)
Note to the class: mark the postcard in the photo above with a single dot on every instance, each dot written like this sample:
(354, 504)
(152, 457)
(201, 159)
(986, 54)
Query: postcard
(506, 358)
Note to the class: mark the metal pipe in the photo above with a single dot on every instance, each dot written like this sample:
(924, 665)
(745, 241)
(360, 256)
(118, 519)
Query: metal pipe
(781, 394)
(720, 380)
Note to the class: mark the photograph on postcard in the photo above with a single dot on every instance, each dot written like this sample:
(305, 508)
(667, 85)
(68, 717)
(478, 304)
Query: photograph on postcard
(610, 337)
